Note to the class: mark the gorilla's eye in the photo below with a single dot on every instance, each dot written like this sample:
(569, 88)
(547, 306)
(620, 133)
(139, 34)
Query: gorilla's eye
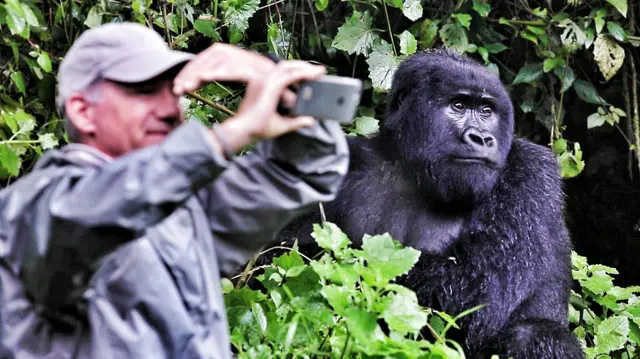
(458, 106)
(486, 110)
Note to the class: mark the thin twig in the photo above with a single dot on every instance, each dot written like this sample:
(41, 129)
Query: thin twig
(315, 24)
(636, 116)
(217, 106)
(628, 121)
(167, 32)
(386, 14)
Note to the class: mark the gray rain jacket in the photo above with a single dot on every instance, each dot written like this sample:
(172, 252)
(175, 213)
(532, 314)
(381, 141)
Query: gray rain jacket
(122, 258)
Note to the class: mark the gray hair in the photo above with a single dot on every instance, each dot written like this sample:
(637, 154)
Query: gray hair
(92, 95)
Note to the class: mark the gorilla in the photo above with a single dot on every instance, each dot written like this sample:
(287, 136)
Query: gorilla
(445, 175)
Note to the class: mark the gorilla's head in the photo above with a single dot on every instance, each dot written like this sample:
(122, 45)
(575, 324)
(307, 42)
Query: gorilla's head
(450, 122)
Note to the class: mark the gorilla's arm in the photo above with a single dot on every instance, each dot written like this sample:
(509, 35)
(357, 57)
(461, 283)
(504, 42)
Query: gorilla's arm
(532, 190)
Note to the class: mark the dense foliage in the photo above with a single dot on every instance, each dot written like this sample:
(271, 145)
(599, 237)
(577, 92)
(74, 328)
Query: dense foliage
(553, 55)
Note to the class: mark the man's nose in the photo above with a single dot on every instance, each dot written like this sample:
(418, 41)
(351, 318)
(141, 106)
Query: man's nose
(167, 104)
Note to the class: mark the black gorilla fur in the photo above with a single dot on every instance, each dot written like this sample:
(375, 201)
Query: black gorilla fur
(491, 231)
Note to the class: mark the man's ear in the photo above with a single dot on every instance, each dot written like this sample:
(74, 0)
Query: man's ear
(81, 112)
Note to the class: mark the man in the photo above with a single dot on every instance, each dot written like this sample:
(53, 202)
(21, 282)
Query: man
(113, 246)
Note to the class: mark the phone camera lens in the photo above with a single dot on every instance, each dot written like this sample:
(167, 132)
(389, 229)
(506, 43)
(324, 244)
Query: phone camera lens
(340, 101)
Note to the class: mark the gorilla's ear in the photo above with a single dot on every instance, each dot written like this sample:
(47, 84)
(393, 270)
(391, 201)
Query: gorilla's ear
(397, 99)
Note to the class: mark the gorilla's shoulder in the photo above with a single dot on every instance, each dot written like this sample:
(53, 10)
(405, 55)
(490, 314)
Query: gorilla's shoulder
(533, 172)
(365, 153)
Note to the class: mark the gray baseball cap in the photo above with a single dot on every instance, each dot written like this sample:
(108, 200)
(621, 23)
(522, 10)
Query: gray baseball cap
(123, 52)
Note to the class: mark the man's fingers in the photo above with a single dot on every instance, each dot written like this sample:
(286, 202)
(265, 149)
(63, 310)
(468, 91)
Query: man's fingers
(295, 123)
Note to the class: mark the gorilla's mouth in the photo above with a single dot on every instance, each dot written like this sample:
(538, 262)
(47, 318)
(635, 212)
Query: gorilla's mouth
(473, 160)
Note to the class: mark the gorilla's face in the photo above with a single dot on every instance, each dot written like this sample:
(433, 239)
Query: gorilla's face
(451, 123)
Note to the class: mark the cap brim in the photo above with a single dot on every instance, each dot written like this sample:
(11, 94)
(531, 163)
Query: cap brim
(146, 66)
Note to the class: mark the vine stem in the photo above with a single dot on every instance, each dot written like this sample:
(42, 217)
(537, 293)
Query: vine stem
(217, 106)
(636, 119)
(386, 14)
(167, 32)
(627, 108)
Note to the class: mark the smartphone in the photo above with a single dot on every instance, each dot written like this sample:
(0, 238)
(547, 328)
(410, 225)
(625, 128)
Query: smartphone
(329, 97)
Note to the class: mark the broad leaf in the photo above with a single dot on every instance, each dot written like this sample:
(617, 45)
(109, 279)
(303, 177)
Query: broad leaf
(238, 12)
(552, 63)
(620, 5)
(616, 31)
(412, 9)
(47, 141)
(9, 160)
(588, 93)
(566, 75)
(481, 7)
(382, 66)
(94, 18)
(454, 37)
(44, 61)
(611, 334)
(404, 314)
(366, 125)
(495, 48)
(608, 55)
(595, 120)
(18, 81)
(529, 73)
(329, 236)
(408, 43)
(463, 19)
(387, 257)
(207, 27)
(356, 35)
(321, 5)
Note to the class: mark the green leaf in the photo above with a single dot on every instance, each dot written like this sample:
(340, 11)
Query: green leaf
(47, 141)
(9, 160)
(16, 19)
(408, 43)
(382, 66)
(289, 260)
(481, 7)
(330, 237)
(598, 283)
(94, 17)
(412, 9)
(18, 81)
(404, 314)
(552, 63)
(566, 75)
(278, 39)
(227, 285)
(599, 24)
(612, 334)
(616, 31)
(207, 28)
(495, 48)
(362, 324)
(366, 125)
(454, 37)
(595, 120)
(387, 256)
(529, 73)
(463, 19)
(428, 33)
(540, 12)
(588, 93)
(237, 14)
(44, 61)
(573, 36)
(258, 314)
(338, 297)
(321, 5)
(620, 5)
(30, 17)
(356, 35)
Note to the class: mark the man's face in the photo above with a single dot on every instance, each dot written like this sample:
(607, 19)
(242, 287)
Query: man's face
(128, 117)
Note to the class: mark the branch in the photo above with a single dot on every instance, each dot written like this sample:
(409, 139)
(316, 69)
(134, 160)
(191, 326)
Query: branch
(217, 106)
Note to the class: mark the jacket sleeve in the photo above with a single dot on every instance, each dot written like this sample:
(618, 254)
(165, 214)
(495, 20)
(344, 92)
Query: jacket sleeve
(261, 193)
(65, 216)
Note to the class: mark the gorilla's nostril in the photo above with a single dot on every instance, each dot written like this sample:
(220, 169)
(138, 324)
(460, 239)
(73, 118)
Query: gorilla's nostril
(489, 141)
(476, 139)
